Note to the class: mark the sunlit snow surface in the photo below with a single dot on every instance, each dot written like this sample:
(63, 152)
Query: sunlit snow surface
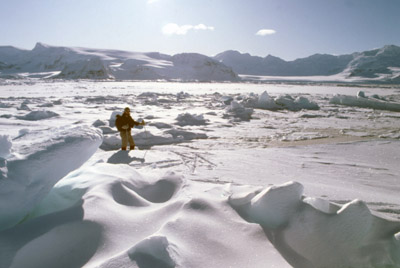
(227, 175)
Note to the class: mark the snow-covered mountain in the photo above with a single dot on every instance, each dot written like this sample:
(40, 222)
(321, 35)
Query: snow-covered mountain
(382, 64)
(318, 64)
(93, 68)
(374, 63)
(46, 61)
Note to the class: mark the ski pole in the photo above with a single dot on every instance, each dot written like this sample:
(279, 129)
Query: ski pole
(145, 131)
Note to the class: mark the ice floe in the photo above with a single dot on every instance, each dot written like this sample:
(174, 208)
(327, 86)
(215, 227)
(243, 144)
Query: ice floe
(297, 187)
(373, 102)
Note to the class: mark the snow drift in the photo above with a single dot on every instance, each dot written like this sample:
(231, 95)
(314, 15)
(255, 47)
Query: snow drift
(27, 180)
(172, 222)
(311, 232)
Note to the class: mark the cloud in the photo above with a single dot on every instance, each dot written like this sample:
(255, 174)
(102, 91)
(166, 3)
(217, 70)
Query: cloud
(264, 32)
(173, 28)
(203, 27)
(151, 1)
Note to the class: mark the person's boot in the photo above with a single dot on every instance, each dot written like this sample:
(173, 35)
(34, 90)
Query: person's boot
(132, 148)
(123, 148)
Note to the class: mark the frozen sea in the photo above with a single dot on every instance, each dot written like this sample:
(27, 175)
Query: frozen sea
(224, 175)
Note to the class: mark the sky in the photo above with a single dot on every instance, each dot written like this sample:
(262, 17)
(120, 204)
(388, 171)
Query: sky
(288, 29)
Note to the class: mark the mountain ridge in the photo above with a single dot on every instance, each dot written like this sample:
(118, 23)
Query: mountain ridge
(58, 62)
(377, 65)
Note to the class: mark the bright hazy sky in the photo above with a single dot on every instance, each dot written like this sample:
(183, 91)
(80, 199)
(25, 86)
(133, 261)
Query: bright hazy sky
(288, 29)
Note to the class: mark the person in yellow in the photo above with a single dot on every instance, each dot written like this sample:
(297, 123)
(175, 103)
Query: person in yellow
(124, 124)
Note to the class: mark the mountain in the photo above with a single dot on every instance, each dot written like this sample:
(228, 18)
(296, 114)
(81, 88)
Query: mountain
(380, 64)
(247, 64)
(92, 68)
(375, 62)
(318, 64)
(45, 61)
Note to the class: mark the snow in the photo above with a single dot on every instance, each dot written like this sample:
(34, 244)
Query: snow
(226, 175)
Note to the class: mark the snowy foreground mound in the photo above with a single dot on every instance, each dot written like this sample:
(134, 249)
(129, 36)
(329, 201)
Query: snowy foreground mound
(26, 179)
(109, 215)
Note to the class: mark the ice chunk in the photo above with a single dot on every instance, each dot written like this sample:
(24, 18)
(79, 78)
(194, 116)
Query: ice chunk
(187, 135)
(266, 102)
(273, 207)
(160, 125)
(238, 111)
(364, 102)
(29, 179)
(38, 115)
(304, 103)
(98, 123)
(5, 146)
(113, 116)
(188, 119)
(297, 104)
(361, 94)
(226, 100)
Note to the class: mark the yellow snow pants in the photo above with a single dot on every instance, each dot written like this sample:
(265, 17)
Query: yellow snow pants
(126, 138)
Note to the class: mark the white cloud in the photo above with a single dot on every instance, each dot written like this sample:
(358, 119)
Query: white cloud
(264, 32)
(151, 1)
(203, 27)
(173, 28)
